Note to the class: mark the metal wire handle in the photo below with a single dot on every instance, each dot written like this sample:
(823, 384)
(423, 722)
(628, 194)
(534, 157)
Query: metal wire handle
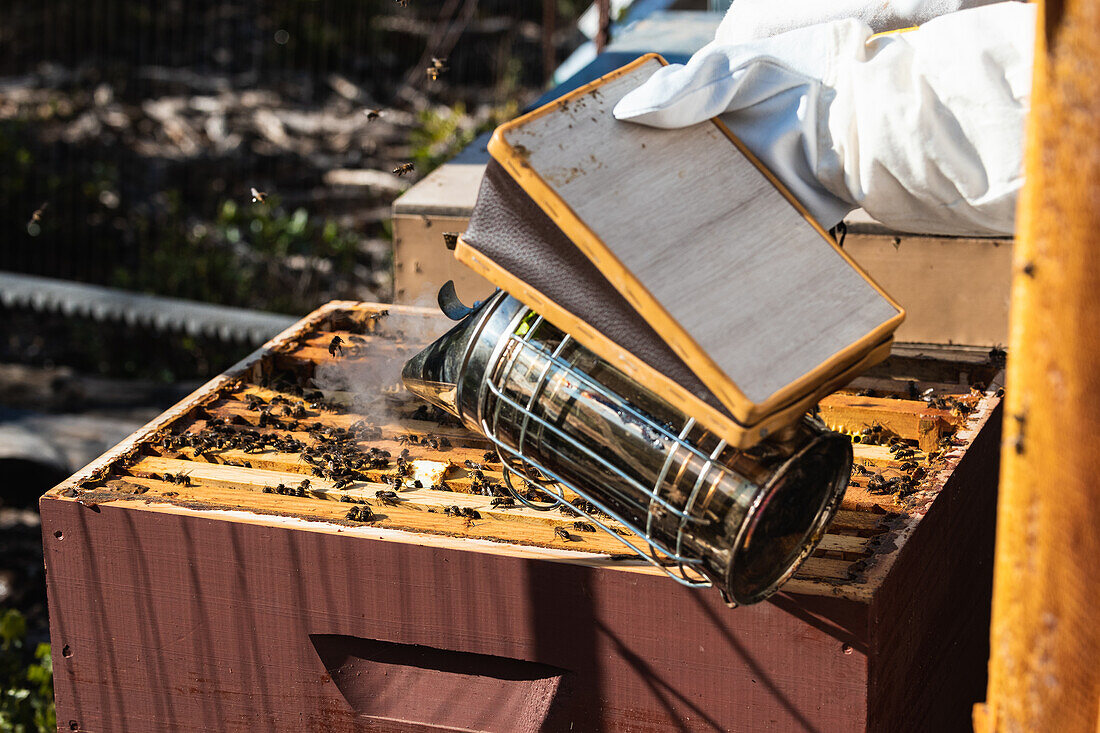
(516, 461)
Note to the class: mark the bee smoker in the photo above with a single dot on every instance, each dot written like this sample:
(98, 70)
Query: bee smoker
(563, 419)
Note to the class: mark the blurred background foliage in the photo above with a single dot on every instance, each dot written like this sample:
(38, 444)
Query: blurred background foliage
(26, 679)
(131, 133)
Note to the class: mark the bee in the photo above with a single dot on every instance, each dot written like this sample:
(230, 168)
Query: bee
(489, 455)
(403, 169)
(873, 434)
(907, 466)
(388, 498)
(503, 502)
(860, 470)
(402, 3)
(998, 357)
(450, 239)
(407, 439)
(180, 478)
(372, 114)
(335, 346)
(562, 533)
(877, 484)
(36, 215)
(584, 526)
(438, 67)
(361, 513)
(258, 197)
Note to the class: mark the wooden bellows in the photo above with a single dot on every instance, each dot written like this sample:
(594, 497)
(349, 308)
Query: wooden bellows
(675, 256)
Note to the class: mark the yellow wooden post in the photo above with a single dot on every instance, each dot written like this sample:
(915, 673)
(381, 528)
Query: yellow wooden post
(1045, 655)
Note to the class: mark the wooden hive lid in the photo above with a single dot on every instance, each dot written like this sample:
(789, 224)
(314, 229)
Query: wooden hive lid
(675, 256)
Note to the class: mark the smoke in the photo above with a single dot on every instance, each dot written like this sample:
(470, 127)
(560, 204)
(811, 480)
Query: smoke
(367, 379)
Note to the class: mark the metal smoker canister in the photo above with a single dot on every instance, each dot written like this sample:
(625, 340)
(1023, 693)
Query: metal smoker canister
(560, 416)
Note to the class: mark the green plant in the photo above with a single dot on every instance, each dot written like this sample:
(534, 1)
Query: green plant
(443, 132)
(26, 681)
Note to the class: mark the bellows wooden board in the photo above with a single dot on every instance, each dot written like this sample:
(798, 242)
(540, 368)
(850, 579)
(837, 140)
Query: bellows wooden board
(676, 256)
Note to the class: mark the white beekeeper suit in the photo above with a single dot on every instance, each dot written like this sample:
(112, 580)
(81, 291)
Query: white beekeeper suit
(923, 128)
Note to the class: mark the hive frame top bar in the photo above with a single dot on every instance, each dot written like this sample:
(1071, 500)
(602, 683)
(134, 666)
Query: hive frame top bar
(746, 288)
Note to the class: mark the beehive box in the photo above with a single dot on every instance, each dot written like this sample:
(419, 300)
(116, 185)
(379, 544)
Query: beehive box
(214, 571)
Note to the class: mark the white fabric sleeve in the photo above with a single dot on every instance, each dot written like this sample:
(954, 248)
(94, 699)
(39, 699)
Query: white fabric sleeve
(923, 129)
(750, 20)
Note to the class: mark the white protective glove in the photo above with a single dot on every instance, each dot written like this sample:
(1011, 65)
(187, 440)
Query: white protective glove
(922, 128)
(749, 20)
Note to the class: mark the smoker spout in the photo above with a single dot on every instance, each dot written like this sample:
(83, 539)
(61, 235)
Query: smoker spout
(432, 375)
(436, 373)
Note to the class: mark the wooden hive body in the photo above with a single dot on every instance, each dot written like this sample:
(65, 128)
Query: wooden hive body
(212, 605)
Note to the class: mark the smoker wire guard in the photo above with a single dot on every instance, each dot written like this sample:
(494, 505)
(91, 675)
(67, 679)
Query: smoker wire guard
(498, 320)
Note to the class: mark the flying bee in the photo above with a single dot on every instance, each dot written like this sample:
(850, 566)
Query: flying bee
(372, 114)
(402, 3)
(258, 197)
(36, 216)
(335, 346)
(403, 169)
(450, 239)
